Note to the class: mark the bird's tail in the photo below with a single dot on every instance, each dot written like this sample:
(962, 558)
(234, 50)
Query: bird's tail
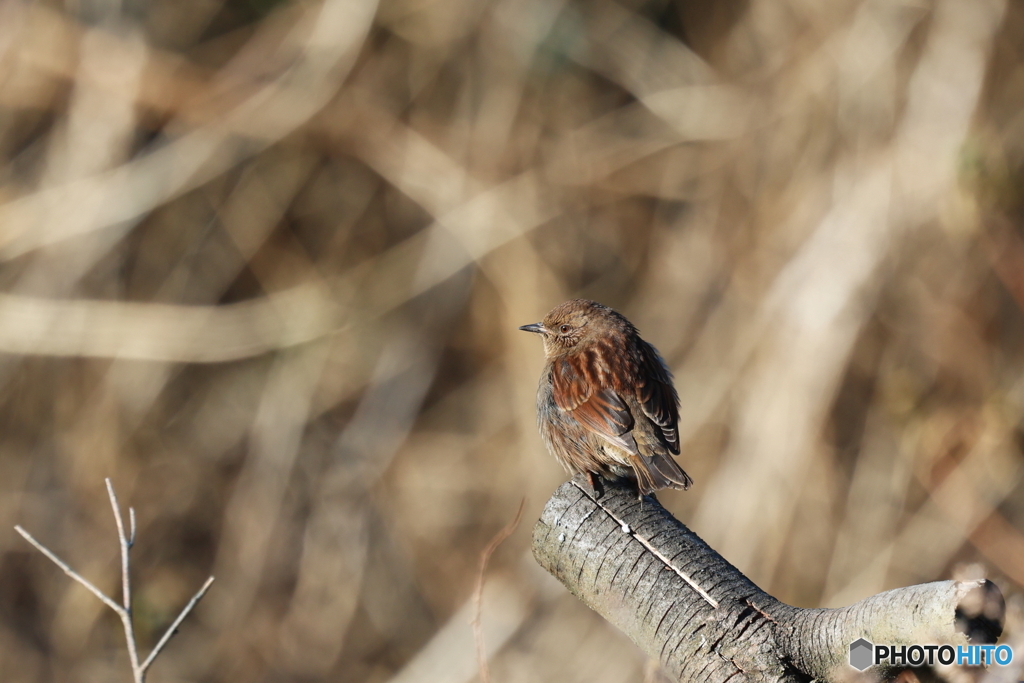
(659, 471)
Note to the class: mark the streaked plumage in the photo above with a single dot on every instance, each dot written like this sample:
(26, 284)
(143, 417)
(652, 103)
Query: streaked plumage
(606, 405)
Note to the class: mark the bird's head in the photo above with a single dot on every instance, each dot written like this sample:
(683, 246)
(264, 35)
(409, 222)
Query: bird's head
(573, 325)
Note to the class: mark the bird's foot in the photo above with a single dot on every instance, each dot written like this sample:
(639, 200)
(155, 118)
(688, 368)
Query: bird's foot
(649, 496)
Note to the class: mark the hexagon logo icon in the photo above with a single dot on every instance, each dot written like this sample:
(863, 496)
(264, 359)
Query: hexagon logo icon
(860, 654)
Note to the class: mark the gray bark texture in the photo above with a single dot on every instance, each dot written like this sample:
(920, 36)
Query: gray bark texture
(703, 620)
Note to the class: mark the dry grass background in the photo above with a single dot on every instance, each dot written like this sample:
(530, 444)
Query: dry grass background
(263, 264)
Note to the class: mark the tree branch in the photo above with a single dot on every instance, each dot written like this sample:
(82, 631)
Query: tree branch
(687, 607)
(124, 611)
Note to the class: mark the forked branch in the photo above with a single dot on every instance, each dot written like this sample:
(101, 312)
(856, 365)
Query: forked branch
(123, 609)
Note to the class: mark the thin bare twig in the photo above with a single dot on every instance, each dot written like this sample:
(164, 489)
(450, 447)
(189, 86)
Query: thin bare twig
(68, 570)
(126, 586)
(124, 611)
(478, 596)
(173, 628)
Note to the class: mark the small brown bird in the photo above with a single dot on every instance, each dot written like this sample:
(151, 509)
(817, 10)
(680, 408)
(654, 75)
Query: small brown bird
(606, 405)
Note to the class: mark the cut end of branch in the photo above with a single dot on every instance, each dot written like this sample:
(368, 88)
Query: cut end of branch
(980, 611)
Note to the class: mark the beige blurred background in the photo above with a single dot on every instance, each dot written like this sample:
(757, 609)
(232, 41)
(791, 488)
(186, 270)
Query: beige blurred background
(263, 264)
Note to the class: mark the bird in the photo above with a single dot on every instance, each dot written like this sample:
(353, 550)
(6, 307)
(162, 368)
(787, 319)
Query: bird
(606, 405)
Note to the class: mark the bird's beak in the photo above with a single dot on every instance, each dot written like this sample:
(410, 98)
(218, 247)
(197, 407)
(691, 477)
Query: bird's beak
(535, 327)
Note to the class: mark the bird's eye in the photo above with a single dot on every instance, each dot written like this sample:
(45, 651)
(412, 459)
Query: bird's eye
(565, 329)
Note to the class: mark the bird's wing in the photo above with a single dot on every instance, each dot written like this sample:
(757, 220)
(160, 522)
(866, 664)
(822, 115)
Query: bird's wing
(657, 395)
(599, 409)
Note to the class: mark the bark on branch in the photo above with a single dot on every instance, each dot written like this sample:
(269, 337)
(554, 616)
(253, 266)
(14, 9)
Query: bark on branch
(687, 607)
